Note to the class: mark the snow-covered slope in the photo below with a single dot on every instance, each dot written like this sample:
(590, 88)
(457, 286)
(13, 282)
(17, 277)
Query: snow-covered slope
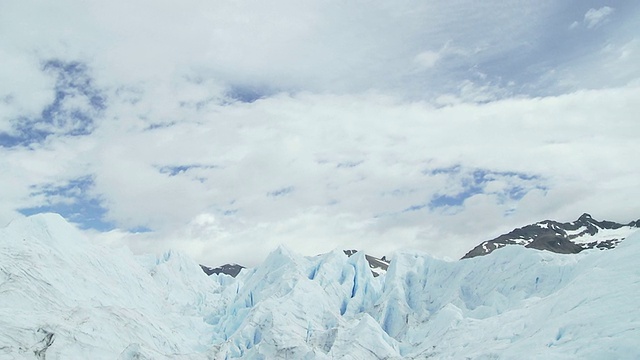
(514, 303)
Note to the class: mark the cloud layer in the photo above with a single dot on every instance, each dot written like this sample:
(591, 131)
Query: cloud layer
(226, 129)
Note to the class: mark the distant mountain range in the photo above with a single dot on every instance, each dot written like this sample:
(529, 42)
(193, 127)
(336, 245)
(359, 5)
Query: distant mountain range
(558, 237)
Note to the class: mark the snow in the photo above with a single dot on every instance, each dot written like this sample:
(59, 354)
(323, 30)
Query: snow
(62, 296)
(543, 225)
(602, 234)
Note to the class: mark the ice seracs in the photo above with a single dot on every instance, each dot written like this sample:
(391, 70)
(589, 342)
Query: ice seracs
(64, 297)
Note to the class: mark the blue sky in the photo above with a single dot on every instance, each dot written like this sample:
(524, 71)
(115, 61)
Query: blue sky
(217, 127)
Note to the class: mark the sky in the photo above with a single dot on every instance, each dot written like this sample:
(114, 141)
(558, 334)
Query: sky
(224, 129)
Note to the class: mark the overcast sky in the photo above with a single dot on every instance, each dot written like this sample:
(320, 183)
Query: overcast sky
(225, 128)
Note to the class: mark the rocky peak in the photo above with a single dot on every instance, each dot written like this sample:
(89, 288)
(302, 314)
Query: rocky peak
(227, 269)
(565, 238)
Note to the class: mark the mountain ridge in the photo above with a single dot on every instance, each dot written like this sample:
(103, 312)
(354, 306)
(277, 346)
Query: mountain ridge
(563, 238)
(550, 235)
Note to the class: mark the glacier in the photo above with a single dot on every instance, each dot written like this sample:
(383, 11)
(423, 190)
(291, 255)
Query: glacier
(63, 296)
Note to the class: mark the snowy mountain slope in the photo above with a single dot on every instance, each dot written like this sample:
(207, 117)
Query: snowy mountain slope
(563, 238)
(103, 304)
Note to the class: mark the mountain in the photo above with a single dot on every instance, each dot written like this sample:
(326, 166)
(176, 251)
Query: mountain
(63, 296)
(563, 238)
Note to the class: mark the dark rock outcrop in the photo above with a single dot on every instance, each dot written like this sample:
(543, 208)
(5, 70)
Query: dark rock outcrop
(227, 269)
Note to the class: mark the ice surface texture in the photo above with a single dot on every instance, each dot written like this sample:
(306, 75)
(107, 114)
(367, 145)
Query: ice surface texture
(63, 297)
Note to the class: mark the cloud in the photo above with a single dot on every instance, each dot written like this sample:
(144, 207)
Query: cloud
(309, 46)
(595, 17)
(273, 171)
(222, 127)
(75, 106)
(427, 59)
(400, 150)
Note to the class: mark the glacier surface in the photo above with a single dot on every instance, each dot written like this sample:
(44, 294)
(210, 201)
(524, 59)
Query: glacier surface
(64, 297)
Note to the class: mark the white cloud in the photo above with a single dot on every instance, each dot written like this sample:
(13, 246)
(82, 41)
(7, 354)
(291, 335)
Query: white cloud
(24, 89)
(448, 52)
(347, 123)
(254, 149)
(286, 45)
(427, 59)
(355, 163)
(595, 17)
